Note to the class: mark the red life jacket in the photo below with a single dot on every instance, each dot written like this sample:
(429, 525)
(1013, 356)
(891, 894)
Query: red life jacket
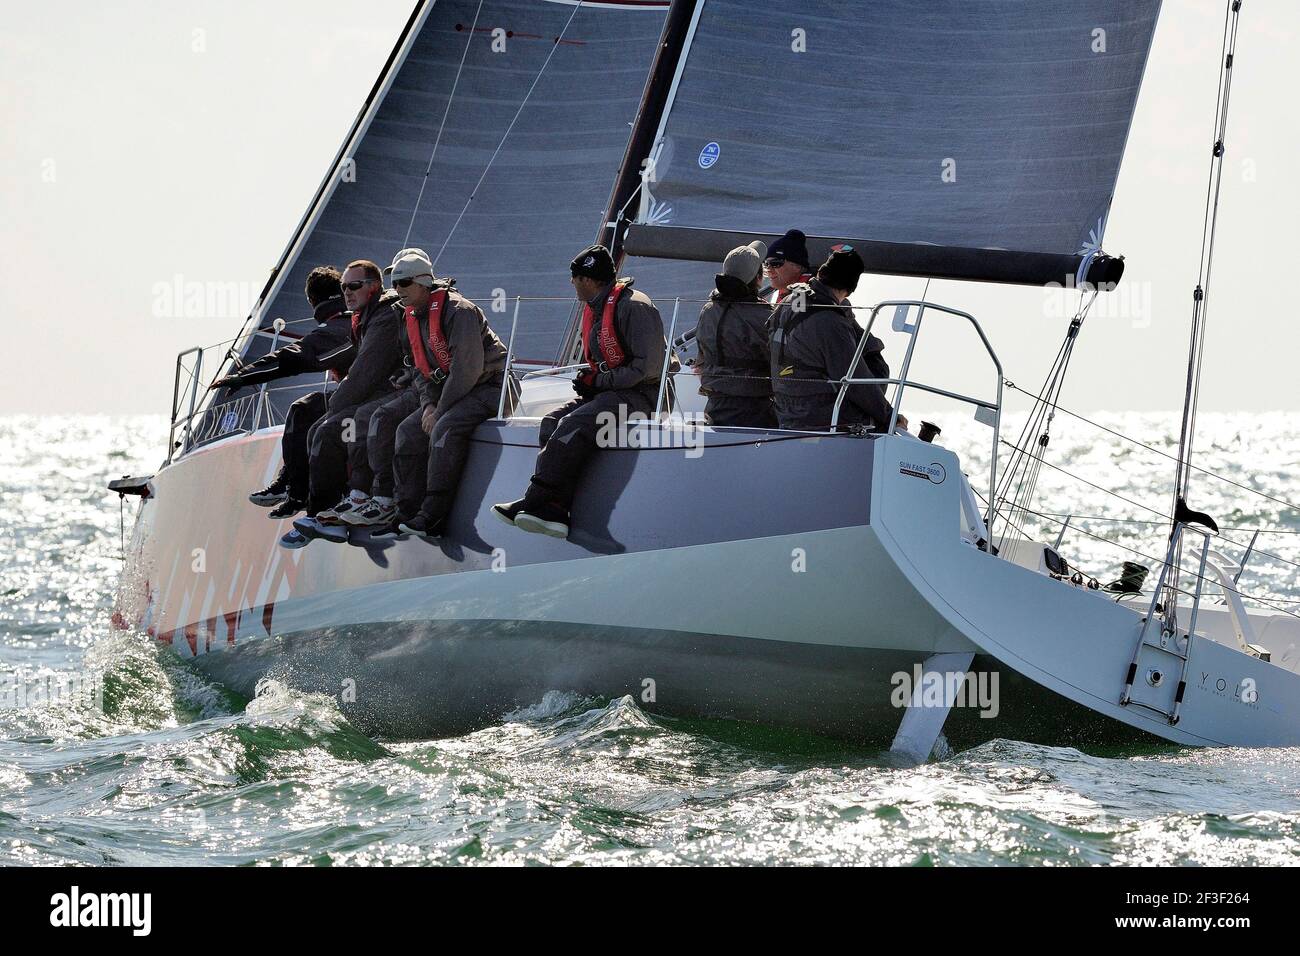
(437, 341)
(611, 350)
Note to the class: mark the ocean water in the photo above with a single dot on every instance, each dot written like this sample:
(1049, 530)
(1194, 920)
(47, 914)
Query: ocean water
(172, 769)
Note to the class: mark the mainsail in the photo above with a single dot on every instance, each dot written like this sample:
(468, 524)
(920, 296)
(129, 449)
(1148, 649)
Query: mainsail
(967, 139)
(490, 142)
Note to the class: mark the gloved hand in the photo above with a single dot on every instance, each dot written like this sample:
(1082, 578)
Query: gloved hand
(584, 383)
(229, 381)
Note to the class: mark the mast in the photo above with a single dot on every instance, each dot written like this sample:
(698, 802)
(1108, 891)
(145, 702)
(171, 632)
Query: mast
(654, 99)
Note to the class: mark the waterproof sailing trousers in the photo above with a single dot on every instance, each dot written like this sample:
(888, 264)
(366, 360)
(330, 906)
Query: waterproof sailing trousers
(302, 415)
(327, 450)
(370, 457)
(569, 436)
(427, 468)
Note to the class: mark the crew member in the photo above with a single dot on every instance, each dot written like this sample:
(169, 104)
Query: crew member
(323, 349)
(732, 336)
(623, 345)
(372, 501)
(460, 370)
(378, 358)
(814, 338)
(786, 264)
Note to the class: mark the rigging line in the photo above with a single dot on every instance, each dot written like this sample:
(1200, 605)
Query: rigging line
(1217, 170)
(1069, 474)
(1044, 412)
(1209, 224)
(1034, 423)
(1238, 527)
(1273, 601)
(1205, 471)
(537, 79)
(438, 139)
(1136, 504)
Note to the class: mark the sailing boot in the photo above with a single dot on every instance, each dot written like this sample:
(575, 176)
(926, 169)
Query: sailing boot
(541, 512)
(422, 526)
(311, 527)
(273, 494)
(286, 509)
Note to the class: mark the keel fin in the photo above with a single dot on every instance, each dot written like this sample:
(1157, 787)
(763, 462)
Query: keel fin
(922, 724)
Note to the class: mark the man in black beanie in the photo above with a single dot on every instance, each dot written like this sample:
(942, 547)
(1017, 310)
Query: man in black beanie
(814, 337)
(623, 345)
(786, 264)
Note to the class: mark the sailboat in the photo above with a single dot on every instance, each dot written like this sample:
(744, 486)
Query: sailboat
(848, 584)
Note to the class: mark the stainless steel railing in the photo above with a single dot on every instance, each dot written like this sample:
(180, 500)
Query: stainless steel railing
(902, 307)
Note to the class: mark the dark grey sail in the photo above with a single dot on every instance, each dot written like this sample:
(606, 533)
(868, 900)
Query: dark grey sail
(968, 139)
(500, 181)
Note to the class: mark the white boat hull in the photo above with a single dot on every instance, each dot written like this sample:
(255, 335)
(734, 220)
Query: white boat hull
(785, 580)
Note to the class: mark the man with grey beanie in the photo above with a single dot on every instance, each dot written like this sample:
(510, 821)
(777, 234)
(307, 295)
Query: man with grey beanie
(735, 359)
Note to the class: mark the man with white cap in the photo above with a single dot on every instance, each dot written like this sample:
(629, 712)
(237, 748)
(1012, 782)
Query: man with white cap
(735, 360)
(459, 370)
(371, 497)
(378, 357)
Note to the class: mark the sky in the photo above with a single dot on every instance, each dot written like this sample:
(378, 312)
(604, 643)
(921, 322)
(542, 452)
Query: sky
(151, 143)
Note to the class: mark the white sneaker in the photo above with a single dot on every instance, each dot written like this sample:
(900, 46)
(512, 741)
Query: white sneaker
(337, 514)
(370, 513)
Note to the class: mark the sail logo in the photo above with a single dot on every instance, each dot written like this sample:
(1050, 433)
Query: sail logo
(709, 155)
(933, 472)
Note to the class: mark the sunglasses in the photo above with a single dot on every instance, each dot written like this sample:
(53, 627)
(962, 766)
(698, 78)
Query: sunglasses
(402, 283)
(354, 286)
(775, 262)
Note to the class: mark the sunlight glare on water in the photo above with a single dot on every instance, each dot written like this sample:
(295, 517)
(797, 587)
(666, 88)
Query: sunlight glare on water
(174, 769)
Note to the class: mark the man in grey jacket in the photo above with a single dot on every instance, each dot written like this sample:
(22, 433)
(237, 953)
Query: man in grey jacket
(623, 343)
(814, 338)
(459, 372)
(371, 494)
(378, 358)
(735, 360)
